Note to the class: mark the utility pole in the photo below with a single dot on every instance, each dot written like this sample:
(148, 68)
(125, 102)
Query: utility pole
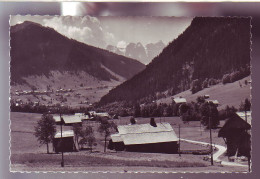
(211, 148)
(62, 159)
(245, 114)
(179, 140)
(200, 129)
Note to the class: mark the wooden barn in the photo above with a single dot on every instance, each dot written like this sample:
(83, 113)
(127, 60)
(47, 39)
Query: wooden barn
(236, 135)
(159, 138)
(64, 144)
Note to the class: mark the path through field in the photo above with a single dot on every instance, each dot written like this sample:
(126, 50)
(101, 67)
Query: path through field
(221, 150)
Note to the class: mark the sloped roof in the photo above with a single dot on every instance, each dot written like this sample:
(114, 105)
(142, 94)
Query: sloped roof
(180, 100)
(145, 133)
(70, 119)
(68, 133)
(247, 117)
(56, 118)
(233, 123)
(116, 138)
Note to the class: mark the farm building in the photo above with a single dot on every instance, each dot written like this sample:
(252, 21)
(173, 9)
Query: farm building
(64, 144)
(68, 120)
(160, 138)
(236, 135)
(179, 100)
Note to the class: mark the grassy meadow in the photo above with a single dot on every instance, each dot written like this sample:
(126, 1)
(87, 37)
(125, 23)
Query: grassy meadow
(27, 154)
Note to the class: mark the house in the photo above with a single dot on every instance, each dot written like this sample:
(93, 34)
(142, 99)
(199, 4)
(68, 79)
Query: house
(160, 138)
(206, 96)
(236, 135)
(179, 100)
(64, 144)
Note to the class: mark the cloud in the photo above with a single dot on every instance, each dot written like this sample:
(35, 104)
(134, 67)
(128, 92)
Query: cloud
(121, 44)
(84, 29)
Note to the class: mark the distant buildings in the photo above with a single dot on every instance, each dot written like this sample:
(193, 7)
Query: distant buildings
(145, 138)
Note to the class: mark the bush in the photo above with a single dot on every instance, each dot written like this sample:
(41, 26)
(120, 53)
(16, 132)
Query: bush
(196, 86)
(236, 75)
(226, 79)
(212, 82)
(205, 83)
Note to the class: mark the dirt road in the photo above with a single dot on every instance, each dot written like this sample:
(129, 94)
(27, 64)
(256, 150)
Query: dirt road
(221, 150)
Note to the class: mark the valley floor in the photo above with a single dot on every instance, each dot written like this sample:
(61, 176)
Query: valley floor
(28, 155)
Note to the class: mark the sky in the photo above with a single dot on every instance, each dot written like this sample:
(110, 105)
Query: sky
(112, 30)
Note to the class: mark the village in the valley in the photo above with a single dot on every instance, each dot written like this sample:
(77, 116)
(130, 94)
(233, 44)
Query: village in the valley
(93, 109)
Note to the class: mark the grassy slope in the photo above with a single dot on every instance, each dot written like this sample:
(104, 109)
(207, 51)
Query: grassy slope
(229, 94)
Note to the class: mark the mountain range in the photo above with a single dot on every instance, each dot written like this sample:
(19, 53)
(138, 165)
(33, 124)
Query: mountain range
(208, 49)
(138, 51)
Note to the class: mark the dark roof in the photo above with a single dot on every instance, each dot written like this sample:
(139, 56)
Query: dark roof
(233, 123)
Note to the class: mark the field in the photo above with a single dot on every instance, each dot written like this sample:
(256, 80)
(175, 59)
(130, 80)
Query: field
(28, 155)
(231, 94)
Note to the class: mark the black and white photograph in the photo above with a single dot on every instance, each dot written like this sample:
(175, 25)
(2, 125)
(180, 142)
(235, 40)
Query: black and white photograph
(130, 94)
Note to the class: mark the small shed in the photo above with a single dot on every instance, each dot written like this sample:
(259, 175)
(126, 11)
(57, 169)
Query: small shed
(236, 136)
(64, 144)
(148, 138)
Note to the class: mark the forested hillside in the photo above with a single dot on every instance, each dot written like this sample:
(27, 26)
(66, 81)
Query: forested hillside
(208, 49)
